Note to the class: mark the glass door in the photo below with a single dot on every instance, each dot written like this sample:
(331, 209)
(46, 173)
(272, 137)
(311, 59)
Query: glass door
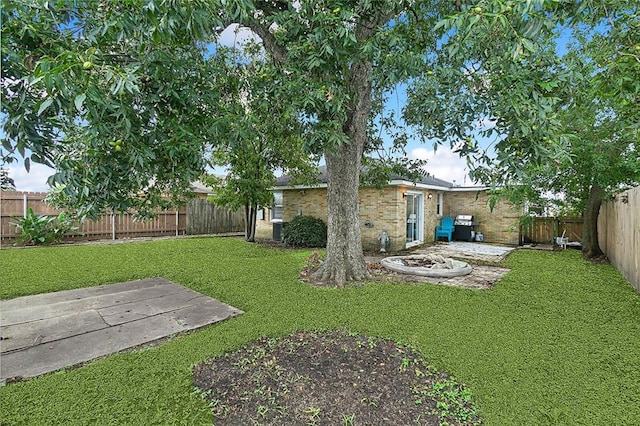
(415, 220)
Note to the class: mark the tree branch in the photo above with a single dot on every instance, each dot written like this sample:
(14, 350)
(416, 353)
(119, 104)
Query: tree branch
(277, 52)
(368, 25)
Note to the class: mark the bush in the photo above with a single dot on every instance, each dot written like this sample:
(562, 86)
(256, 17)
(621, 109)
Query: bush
(305, 231)
(36, 230)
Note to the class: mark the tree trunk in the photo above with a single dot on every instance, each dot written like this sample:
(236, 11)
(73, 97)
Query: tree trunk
(250, 217)
(345, 260)
(590, 246)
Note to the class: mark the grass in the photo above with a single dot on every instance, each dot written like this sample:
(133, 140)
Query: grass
(556, 341)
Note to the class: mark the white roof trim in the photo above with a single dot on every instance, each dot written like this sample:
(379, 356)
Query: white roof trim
(437, 187)
(418, 185)
(286, 187)
(396, 182)
(468, 188)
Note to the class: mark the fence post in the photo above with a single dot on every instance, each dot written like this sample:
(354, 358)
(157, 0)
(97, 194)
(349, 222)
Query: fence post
(113, 226)
(24, 204)
(177, 221)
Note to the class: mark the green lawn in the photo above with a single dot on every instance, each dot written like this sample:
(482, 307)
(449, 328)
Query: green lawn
(557, 341)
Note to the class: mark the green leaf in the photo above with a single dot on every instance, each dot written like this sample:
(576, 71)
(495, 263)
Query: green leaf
(79, 101)
(527, 44)
(44, 105)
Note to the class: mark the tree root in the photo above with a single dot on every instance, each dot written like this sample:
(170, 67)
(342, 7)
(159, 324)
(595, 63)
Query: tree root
(338, 275)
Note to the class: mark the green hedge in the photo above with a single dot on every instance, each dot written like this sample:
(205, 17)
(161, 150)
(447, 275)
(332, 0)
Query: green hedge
(305, 231)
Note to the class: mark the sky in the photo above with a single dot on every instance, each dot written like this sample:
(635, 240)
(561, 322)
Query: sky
(33, 181)
(443, 163)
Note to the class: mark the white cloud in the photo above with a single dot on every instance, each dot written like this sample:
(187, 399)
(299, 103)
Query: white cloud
(236, 36)
(443, 164)
(35, 180)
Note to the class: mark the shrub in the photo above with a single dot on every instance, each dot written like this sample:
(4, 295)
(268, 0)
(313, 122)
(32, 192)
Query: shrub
(35, 230)
(305, 231)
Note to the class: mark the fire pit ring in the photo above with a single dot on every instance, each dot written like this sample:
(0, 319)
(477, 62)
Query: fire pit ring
(427, 265)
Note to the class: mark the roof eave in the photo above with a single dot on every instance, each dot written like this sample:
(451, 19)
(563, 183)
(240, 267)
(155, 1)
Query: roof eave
(418, 185)
(395, 182)
(469, 188)
(286, 187)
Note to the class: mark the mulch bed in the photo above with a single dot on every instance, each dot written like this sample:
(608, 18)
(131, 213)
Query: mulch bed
(330, 378)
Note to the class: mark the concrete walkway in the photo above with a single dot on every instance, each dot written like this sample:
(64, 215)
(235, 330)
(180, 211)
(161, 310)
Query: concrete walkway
(46, 332)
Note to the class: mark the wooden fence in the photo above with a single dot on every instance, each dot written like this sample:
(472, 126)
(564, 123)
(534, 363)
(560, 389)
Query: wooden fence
(619, 233)
(117, 226)
(545, 229)
(206, 218)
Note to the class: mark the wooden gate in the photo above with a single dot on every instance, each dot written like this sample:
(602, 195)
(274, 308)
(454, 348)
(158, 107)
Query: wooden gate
(545, 229)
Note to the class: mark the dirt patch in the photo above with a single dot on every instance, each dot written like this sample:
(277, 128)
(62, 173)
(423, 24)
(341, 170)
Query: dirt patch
(331, 378)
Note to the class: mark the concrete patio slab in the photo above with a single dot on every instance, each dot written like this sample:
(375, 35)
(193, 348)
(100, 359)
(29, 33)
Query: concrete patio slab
(468, 250)
(43, 333)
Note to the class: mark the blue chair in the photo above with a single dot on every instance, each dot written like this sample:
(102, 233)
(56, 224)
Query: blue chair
(445, 229)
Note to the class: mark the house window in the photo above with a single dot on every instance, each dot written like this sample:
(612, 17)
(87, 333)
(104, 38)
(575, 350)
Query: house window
(276, 210)
(439, 204)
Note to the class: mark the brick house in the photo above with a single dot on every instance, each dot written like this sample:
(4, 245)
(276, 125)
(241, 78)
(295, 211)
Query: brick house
(408, 212)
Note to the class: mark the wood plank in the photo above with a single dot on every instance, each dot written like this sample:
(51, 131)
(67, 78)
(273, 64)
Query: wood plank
(119, 314)
(67, 295)
(49, 344)
(25, 335)
(90, 301)
(52, 356)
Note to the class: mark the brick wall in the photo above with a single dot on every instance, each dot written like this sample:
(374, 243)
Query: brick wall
(307, 202)
(431, 220)
(500, 226)
(380, 209)
(385, 209)
(264, 227)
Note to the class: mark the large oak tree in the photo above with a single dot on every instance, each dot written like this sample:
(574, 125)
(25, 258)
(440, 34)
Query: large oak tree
(339, 59)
